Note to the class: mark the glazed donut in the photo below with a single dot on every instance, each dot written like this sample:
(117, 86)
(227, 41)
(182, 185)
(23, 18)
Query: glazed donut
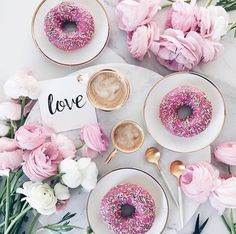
(128, 209)
(67, 12)
(193, 124)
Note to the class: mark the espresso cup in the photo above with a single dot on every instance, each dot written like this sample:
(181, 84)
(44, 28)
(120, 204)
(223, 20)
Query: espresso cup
(108, 90)
(127, 137)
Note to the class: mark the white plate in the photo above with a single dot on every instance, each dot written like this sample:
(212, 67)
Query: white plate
(80, 56)
(159, 132)
(127, 175)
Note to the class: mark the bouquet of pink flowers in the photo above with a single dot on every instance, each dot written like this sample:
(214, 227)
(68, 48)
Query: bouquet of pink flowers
(191, 34)
(37, 166)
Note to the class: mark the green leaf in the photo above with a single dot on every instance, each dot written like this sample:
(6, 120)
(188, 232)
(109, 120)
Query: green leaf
(228, 5)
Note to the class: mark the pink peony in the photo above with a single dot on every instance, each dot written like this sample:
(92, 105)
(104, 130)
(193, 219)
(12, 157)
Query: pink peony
(224, 195)
(183, 16)
(226, 153)
(131, 14)
(213, 22)
(10, 156)
(94, 138)
(199, 180)
(178, 52)
(42, 162)
(30, 136)
(140, 40)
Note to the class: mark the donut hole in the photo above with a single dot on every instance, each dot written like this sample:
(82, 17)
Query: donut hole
(69, 26)
(184, 112)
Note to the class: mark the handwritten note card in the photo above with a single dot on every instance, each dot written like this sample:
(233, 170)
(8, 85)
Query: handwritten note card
(64, 105)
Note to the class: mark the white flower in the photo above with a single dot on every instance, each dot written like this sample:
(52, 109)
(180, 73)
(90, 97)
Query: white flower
(72, 177)
(40, 197)
(4, 128)
(22, 84)
(65, 145)
(213, 22)
(84, 172)
(10, 110)
(61, 192)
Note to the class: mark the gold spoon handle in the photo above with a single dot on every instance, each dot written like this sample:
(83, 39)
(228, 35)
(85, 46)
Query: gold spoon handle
(111, 156)
(181, 213)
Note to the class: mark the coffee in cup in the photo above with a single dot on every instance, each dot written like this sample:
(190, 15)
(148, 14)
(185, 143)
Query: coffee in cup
(108, 90)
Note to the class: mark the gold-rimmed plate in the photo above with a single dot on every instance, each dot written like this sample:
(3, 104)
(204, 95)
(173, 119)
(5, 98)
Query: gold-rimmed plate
(159, 132)
(80, 56)
(127, 175)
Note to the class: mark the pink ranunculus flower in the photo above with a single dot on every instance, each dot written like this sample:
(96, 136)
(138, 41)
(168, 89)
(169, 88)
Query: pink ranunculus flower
(131, 13)
(65, 145)
(10, 156)
(30, 136)
(42, 162)
(213, 22)
(141, 39)
(183, 16)
(94, 138)
(224, 195)
(226, 153)
(199, 180)
(178, 52)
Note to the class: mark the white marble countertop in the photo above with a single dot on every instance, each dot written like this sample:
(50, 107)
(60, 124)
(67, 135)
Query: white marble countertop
(17, 51)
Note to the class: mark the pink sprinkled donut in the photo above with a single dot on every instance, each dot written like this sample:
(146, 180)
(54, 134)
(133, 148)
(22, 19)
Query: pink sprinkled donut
(67, 12)
(194, 123)
(128, 209)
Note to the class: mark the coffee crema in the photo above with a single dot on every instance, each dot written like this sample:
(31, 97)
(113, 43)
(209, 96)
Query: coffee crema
(108, 90)
(128, 137)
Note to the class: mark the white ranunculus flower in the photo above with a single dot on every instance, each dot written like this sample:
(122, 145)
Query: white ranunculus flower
(4, 128)
(72, 177)
(61, 191)
(65, 145)
(22, 84)
(10, 110)
(213, 22)
(40, 197)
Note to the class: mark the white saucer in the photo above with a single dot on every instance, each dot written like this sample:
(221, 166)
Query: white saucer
(80, 56)
(127, 175)
(158, 131)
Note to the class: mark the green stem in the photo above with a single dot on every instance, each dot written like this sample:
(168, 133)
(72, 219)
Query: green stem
(209, 3)
(225, 223)
(19, 216)
(33, 223)
(170, 4)
(12, 131)
(7, 203)
(231, 223)
(22, 119)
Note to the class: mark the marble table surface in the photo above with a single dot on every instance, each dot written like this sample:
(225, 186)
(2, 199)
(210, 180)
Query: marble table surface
(17, 51)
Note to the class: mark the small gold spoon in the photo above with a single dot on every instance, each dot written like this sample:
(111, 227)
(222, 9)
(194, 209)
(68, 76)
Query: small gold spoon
(153, 155)
(176, 168)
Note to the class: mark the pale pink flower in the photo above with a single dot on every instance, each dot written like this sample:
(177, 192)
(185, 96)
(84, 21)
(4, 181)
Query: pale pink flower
(141, 39)
(131, 13)
(94, 138)
(42, 162)
(4, 128)
(87, 152)
(226, 153)
(199, 180)
(183, 16)
(224, 195)
(65, 145)
(178, 52)
(10, 156)
(10, 110)
(30, 136)
(213, 22)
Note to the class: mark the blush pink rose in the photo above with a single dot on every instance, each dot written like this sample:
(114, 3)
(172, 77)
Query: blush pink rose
(224, 195)
(131, 13)
(30, 136)
(226, 153)
(87, 152)
(178, 52)
(183, 16)
(94, 138)
(42, 162)
(199, 180)
(10, 156)
(140, 40)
